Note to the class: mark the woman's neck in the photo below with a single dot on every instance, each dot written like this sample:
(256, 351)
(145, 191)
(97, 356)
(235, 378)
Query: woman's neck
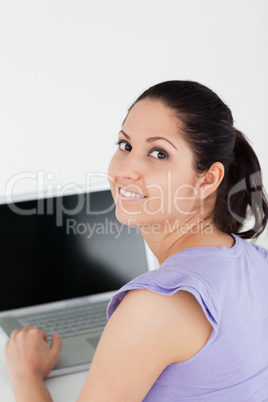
(172, 239)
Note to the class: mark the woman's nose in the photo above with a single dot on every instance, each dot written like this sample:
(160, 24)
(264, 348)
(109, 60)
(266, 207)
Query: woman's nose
(129, 168)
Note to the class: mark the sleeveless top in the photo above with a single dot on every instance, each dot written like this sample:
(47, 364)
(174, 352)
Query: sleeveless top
(231, 285)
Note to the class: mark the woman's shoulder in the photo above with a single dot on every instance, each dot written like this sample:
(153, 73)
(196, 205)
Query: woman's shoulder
(205, 272)
(168, 280)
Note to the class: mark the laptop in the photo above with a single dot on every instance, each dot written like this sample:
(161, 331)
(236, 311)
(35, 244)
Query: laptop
(62, 257)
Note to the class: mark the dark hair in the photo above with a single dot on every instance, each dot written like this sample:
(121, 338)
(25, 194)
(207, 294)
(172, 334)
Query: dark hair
(208, 129)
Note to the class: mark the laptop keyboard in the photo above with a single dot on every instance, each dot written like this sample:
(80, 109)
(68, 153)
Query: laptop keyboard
(74, 321)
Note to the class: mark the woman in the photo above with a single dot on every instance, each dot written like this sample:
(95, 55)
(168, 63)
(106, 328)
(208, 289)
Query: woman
(195, 329)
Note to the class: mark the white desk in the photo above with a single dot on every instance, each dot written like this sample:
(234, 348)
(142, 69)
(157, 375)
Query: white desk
(63, 389)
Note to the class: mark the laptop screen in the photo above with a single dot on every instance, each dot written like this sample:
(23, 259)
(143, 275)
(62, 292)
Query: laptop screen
(65, 247)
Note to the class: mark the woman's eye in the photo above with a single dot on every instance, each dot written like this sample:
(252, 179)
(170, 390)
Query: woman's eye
(159, 154)
(124, 145)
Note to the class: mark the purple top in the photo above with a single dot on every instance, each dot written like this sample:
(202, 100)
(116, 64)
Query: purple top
(231, 286)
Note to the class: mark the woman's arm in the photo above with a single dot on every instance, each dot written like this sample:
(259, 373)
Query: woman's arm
(31, 390)
(29, 360)
(146, 333)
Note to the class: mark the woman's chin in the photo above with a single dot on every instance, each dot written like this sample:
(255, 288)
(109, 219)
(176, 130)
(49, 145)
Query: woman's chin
(127, 219)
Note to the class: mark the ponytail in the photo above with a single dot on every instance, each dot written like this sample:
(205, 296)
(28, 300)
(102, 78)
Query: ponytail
(246, 194)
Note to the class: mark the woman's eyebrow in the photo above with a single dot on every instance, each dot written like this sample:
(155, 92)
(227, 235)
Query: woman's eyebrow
(150, 139)
(127, 136)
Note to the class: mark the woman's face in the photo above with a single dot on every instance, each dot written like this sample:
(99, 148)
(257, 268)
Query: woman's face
(152, 178)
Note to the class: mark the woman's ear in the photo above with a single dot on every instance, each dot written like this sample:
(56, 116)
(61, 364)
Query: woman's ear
(211, 180)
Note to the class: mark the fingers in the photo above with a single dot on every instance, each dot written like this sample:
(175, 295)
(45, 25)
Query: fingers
(14, 333)
(37, 331)
(56, 344)
(28, 352)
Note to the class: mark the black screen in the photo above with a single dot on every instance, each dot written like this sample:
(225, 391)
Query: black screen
(65, 247)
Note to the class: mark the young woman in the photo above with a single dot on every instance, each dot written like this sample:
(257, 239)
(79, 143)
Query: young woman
(196, 328)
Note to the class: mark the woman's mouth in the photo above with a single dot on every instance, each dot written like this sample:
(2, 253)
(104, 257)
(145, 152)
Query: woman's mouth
(130, 195)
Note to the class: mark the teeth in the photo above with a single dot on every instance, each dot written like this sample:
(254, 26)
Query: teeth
(129, 194)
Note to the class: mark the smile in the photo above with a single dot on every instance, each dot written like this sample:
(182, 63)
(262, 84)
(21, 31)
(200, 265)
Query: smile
(130, 194)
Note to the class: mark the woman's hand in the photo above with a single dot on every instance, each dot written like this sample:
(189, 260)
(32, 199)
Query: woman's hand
(29, 356)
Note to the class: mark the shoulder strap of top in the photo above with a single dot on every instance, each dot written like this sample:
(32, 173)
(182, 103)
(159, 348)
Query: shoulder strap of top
(167, 282)
(262, 251)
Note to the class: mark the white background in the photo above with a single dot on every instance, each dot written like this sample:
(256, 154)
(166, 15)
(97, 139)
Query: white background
(69, 69)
